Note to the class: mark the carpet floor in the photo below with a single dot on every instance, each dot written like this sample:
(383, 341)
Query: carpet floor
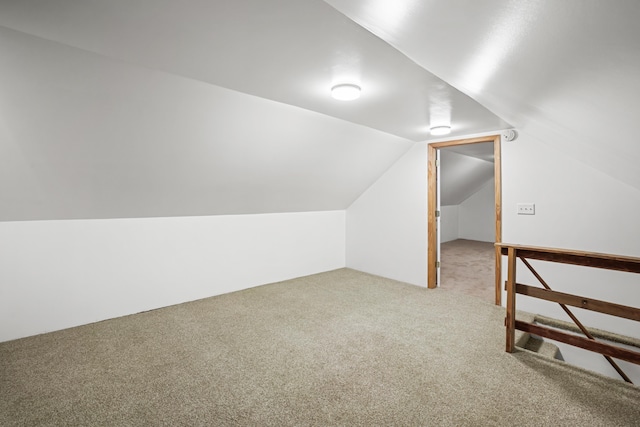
(341, 348)
(468, 266)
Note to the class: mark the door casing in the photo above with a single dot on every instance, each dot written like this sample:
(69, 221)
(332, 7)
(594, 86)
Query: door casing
(431, 203)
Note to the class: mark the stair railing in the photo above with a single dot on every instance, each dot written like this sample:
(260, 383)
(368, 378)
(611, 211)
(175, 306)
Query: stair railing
(580, 258)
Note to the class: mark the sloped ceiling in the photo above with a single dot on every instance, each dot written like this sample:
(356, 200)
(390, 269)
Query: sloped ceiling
(138, 108)
(564, 71)
(133, 108)
(464, 170)
(87, 137)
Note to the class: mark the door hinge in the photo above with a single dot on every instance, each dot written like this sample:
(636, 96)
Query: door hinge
(437, 163)
(437, 214)
(437, 264)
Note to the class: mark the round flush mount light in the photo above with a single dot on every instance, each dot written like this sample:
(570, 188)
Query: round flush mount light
(440, 130)
(345, 92)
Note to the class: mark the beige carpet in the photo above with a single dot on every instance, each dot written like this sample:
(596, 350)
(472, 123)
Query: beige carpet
(341, 348)
(468, 266)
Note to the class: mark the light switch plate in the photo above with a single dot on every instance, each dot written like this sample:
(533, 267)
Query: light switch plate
(526, 209)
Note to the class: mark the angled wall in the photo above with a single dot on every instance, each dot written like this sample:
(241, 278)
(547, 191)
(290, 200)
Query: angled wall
(466, 197)
(83, 136)
(473, 219)
(387, 224)
(577, 207)
(461, 176)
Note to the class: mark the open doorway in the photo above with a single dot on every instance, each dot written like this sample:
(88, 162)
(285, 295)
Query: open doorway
(470, 157)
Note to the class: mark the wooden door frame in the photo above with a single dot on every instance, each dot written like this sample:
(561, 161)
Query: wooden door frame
(431, 203)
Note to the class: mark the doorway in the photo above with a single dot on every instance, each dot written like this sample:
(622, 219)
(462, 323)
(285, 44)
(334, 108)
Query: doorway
(434, 213)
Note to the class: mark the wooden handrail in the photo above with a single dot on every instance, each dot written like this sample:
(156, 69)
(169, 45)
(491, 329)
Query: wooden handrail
(567, 256)
(564, 256)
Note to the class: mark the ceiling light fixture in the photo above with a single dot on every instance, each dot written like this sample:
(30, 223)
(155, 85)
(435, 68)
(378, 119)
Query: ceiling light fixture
(345, 92)
(440, 130)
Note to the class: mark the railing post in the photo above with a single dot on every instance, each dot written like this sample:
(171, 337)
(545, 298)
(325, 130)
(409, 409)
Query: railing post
(510, 320)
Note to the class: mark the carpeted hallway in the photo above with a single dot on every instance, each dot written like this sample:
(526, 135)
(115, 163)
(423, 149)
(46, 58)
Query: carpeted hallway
(468, 266)
(338, 348)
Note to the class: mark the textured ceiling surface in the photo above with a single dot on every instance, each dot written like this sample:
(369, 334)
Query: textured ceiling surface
(289, 51)
(86, 137)
(563, 71)
(461, 176)
(133, 108)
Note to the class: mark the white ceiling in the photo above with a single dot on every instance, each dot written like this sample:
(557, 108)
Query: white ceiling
(483, 151)
(137, 108)
(133, 108)
(464, 170)
(291, 51)
(564, 71)
(87, 137)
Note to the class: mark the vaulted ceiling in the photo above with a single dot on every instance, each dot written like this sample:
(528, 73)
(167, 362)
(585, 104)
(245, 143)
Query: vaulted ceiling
(465, 169)
(139, 108)
(564, 71)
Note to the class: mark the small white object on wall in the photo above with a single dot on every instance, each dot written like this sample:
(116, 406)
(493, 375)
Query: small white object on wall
(526, 209)
(510, 135)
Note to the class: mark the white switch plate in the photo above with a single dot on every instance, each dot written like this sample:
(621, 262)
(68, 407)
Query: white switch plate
(526, 209)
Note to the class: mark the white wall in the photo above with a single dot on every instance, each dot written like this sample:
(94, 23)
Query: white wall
(449, 220)
(461, 175)
(473, 219)
(477, 217)
(58, 274)
(577, 207)
(387, 224)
